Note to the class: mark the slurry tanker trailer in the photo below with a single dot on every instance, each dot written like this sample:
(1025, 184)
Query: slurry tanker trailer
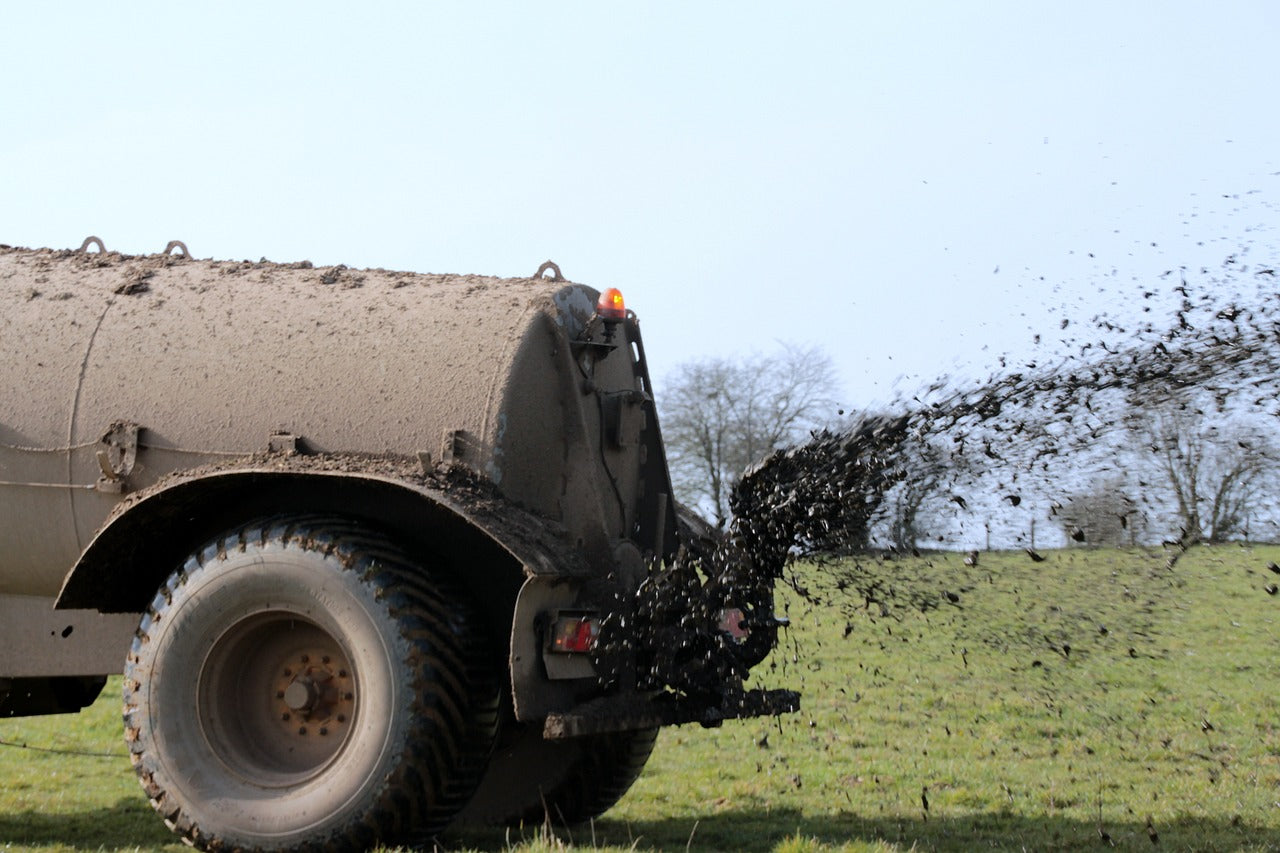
(376, 552)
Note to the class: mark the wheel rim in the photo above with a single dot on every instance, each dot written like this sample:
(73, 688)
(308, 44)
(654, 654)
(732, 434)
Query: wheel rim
(277, 699)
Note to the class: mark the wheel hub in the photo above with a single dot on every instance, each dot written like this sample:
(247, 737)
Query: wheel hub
(301, 695)
(311, 688)
(280, 698)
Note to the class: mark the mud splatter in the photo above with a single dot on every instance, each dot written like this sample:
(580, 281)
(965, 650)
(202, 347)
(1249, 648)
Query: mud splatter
(1014, 443)
(1024, 432)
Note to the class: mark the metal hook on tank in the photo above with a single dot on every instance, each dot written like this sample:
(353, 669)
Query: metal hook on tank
(91, 240)
(549, 265)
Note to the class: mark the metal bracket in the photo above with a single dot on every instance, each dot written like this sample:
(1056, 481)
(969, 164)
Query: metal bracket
(628, 712)
(453, 445)
(282, 442)
(624, 417)
(117, 458)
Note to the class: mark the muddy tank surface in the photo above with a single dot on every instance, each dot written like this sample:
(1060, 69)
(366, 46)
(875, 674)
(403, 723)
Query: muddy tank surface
(376, 551)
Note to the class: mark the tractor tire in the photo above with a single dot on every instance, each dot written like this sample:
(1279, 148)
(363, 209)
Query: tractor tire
(534, 781)
(299, 684)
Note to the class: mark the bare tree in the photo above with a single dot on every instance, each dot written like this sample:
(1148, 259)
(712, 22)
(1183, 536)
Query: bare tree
(720, 416)
(1214, 473)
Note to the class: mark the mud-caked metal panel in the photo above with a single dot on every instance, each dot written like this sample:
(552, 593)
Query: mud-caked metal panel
(571, 419)
(207, 361)
(50, 306)
(535, 691)
(210, 360)
(213, 358)
(546, 444)
(41, 641)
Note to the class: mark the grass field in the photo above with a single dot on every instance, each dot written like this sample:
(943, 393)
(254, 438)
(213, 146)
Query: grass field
(1097, 698)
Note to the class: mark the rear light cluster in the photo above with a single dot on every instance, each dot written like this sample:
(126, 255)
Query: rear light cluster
(577, 633)
(574, 634)
(733, 622)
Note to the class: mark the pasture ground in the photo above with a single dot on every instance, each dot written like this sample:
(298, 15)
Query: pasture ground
(1095, 699)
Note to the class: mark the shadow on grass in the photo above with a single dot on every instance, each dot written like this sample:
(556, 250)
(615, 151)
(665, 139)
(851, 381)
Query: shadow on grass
(758, 832)
(129, 824)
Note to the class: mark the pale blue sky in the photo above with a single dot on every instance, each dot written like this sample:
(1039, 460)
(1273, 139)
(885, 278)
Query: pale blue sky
(844, 174)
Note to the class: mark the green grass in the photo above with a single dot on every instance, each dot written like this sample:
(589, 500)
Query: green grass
(1165, 708)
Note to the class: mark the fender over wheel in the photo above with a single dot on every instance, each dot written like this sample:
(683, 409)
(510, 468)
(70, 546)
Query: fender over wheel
(300, 684)
(532, 780)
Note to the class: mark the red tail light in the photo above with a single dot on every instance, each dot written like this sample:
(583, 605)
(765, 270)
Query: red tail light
(733, 623)
(576, 634)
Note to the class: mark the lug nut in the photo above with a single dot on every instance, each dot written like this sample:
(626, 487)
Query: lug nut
(285, 715)
(324, 659)
(306, 659)
(302, 730)
(279, 694)
(342, 718)
(288, 672)
(348, 696)
(324, 731)
(342, 673)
